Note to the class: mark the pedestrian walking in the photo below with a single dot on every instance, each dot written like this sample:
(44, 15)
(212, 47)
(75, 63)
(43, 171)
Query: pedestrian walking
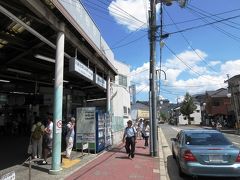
(146, 132)
(47, 140)
(129, 137)
(37, 132)
(70, 137)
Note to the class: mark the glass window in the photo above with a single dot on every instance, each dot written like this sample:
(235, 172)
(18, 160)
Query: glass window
(125, 110)
(206, 139)
(216, 103)
(122, 80)
(129, 111)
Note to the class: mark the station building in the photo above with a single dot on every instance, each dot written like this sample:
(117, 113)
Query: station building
(53, 60)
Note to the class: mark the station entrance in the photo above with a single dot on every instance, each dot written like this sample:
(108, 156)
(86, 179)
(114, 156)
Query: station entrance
(28, 34)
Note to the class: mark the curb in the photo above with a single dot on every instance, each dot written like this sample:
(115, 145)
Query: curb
(162, 159)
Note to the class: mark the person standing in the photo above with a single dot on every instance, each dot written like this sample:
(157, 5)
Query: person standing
(36, 137)
(70, 137)
(130, 135)
(141, 127)
(146, 132)
(47, 140)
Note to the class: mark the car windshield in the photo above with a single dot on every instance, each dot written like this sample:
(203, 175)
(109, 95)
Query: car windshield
(206, 139)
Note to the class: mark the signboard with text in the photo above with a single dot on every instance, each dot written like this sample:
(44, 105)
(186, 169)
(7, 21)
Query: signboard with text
(79, 68)
(100, 81)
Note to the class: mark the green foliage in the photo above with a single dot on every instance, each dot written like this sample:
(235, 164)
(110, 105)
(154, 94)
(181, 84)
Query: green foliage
(188, 107)
(163, 116)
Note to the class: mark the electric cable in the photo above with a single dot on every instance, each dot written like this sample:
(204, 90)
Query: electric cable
(196, 19)
(218, 28)
(99, 8)
(189, 67)
(184, 37)
(203, 25)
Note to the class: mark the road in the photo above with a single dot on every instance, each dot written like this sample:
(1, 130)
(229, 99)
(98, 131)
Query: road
(170, 131)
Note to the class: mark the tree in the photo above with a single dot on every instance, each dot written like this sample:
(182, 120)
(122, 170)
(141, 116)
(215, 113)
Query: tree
(163, 116)
(188, 107)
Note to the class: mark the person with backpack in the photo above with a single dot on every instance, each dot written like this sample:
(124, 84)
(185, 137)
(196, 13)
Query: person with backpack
(130, 137)
(36, 137)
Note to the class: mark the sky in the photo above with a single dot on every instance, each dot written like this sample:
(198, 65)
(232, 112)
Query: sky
(203, 45)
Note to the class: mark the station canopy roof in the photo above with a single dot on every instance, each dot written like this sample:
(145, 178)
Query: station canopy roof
(26, 60)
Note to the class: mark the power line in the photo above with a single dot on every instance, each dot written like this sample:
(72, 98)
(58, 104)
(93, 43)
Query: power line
(141, 89)
(195, 85)
(203, 25)
(210, 15)
(218, 28)
(102, 9)
(189, 67)
(126, 12)
(190, 44)
(196, 19)
(130, 42)
(138, 28)
(125, 37)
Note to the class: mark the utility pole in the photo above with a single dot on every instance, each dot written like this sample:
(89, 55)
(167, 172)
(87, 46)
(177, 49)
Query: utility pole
(152, 97)
(233, 89)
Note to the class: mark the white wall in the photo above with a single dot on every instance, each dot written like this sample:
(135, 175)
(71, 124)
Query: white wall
(196, 115)
(120, 97)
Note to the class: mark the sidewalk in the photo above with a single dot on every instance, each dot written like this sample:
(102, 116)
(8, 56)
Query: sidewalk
(116, 165)
(113, 164)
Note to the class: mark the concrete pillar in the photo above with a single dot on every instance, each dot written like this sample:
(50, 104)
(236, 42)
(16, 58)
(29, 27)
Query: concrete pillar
(58, 101)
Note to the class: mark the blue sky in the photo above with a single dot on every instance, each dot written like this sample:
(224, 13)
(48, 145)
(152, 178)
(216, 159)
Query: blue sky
(203, 46)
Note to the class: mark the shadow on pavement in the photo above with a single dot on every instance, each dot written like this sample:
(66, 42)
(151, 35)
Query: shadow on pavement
(13, 151)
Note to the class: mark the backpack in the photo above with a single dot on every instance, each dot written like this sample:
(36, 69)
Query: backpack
(37, 133)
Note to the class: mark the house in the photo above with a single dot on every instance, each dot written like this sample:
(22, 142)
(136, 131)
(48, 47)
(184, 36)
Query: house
(234, 90)
(139, 110)
(195, 116)
(217, 107)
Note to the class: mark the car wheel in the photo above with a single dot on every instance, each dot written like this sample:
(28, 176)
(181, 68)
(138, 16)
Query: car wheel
(173, 154)
(180, 172)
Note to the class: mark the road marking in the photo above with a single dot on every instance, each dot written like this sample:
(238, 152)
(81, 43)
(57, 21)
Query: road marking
(235, 143)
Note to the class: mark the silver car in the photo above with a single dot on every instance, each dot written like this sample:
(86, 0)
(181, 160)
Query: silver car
(202, 152)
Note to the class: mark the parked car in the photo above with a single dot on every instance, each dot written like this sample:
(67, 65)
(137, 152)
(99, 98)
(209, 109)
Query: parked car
(202, 152)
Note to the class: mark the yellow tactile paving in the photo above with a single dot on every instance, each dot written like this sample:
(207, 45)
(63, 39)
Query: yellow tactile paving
(67, 163)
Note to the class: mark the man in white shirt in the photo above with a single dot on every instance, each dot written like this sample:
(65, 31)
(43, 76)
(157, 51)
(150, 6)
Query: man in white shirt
(130, 135)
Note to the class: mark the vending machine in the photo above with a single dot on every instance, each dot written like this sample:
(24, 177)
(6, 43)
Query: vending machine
(90, 128)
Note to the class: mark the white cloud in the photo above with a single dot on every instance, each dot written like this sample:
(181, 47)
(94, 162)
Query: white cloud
(130, 13)
(214, 63)
(140, 77)
(186, 58)
(229, 67)
(179, 79)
